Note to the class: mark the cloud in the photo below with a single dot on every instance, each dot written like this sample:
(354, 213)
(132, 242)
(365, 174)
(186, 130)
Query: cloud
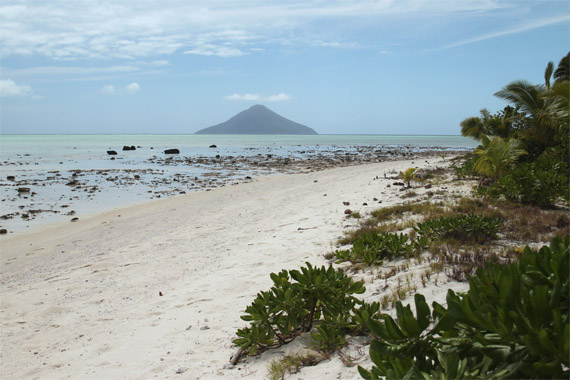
(71, 30)
(132, 88)
(10, 89)
(108, 89)
(132, 29)
(534, 24)
(259, 98)
(220, 51)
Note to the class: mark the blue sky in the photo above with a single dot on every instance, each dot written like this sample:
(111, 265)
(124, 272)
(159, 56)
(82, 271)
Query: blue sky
(367, 67)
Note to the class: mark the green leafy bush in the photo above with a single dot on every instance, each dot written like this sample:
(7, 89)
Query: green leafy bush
(512, 323)
(297, 300)
(472, 228)
(372, 247)
(541, 182)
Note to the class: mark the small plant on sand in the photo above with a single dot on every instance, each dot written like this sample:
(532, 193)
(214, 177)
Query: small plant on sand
(466, 228)
(408, 176)
(290, 364)
(297, 301)
(512, 323)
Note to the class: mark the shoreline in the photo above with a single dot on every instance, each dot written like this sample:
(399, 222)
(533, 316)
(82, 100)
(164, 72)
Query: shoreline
(150, 289)
(35, 197)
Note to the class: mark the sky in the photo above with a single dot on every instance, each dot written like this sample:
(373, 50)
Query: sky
(337, 66)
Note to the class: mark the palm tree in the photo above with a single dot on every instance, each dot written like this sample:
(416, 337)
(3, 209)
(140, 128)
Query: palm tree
(496, 155)
(562, 73)
(540, 124)
(408, 176)
(500, 124)
(472, 127)
(548, 74)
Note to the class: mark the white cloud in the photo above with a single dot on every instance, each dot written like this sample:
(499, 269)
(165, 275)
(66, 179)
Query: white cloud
(65, 30)
(132, 88)
(534, 24)
(10, 89)
(220, 51)
(278, 98)
(134, 29)
(108, 89)
(259, 98)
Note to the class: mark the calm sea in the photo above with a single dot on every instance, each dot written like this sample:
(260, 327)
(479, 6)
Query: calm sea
(46, 164)
(89, 151)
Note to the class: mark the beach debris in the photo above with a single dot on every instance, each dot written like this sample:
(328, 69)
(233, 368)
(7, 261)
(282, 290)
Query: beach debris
(213, 146)
(346, 203)
(23, 190)
(3, 231)
(132, 147)
(180, 370)
(428, 186)
(189, 327)
(111, 153)
(160, 294)
(172, 151)
(236, 356)
(347, 211)
(74, 220)
(11, 178)
(205, 327)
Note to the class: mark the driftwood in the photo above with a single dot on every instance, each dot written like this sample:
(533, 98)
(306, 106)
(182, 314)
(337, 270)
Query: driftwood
(236, 356)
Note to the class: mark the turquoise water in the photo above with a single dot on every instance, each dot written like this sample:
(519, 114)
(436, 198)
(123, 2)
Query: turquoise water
(50, 164)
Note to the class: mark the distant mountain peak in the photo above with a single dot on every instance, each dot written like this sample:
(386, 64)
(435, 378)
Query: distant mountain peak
(258, 120)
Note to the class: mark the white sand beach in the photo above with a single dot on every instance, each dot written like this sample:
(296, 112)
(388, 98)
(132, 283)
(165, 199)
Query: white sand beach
(155, 289)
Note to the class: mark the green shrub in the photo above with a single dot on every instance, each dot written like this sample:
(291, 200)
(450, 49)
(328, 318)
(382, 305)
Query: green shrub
(297, 300)
(465, 169)
(541, 182)
(373, 246)
(467, 228)
(512, 323)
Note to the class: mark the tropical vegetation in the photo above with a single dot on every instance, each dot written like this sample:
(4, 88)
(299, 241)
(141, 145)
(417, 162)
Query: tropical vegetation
(512, 323)
(525, 147)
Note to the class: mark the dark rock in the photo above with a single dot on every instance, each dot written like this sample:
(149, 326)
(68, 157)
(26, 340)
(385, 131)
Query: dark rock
(365, 204)
(3, 231)
(111, 153)
(213, 146)
(23, 190)
(11, 178)
(248, 177)
(347, 211)
(74, 219)
(346, 203)
(428, 186)
(132, 147)
(172, 151)
(399, 184)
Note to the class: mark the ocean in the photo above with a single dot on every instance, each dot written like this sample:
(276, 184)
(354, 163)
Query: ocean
(50, 178)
